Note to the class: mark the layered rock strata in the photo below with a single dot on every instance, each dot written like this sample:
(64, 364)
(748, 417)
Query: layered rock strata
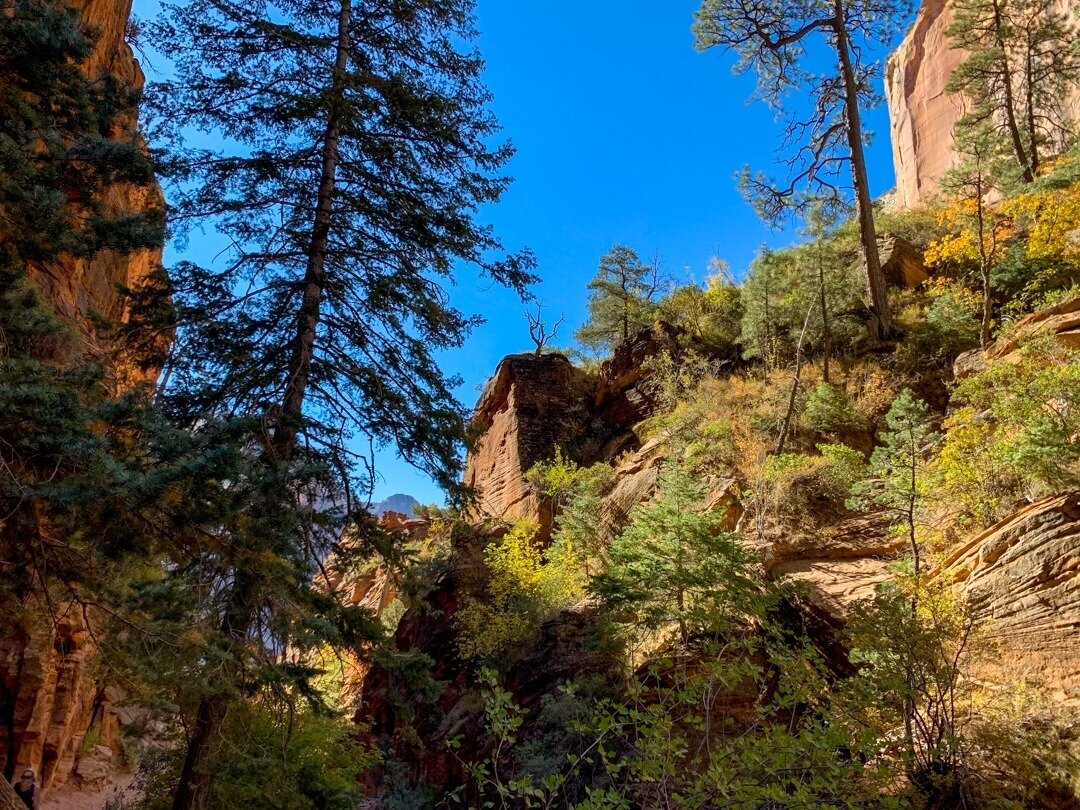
(1021, 578)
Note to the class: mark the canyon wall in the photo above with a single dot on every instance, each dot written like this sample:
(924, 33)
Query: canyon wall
(58, 716)
(921, 113)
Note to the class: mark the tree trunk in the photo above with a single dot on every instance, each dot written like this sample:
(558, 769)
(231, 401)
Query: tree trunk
(984, 266)
(1010, 98)
(882, 324)
(826, 337)
(785, 428)
(194, 787)
(1033, 146)
(307, 320)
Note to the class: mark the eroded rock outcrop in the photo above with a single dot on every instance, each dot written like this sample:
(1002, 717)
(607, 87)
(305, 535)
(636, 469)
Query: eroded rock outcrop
(1060, 322)
(921, 113)
(841, 564)
(1022, 578)
(529, 407)
(85, 292)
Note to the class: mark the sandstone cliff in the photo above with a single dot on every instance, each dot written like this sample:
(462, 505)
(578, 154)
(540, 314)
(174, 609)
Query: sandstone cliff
(921, 112)
(51, 697)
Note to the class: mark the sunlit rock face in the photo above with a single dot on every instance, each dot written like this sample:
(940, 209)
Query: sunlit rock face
(1060, 322)
(921, 113)
(82, 291)
(1022, 579)
(530, 406)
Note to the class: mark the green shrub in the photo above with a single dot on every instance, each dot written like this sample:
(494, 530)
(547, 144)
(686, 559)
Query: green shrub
(827, 410)
(274, 759)
(949, 326)
(522, 590)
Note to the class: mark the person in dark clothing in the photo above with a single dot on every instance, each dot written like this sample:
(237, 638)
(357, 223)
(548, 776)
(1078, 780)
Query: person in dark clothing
(26, 788)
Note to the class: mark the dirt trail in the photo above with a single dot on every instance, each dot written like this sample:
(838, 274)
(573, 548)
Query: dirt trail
(68, 797)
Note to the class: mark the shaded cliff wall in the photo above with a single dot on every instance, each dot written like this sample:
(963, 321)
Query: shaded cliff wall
(51, 695)
(921, 112)
(82, 291)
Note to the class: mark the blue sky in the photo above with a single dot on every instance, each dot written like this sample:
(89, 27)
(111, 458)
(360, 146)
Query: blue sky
(624, 133)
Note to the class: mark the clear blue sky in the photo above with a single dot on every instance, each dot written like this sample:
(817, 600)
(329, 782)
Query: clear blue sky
(624, 133)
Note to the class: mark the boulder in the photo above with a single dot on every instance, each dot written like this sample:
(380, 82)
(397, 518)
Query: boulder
(95, 766)
(621, 399)
(901, 262)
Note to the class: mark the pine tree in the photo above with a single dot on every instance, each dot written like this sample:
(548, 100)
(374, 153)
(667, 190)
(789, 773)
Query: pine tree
(673, 565)
(1023, 65)
(896, 467)
(63, 142)
(771, 39)
(621, 299)
(355, 156)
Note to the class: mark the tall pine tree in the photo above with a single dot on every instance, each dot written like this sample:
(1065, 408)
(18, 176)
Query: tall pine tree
(354, 156)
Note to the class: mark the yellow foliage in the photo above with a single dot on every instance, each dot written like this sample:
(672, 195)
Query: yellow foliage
(522, 590)
(1052, 220)
(960, 244)
(970, 474)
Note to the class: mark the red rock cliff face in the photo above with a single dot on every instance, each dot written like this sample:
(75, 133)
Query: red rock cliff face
(79, 290)
(50, 693)
(530, 406)
(921, 112)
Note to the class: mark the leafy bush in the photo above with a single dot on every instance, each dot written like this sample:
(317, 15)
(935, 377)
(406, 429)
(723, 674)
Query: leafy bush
(522, 590)
(949, 326)
(1031, 411)
(709, 316)
(781, 287)
(275, 758)
(828, 410)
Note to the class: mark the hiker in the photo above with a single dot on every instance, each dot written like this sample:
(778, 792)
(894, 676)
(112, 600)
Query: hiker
(26, 789)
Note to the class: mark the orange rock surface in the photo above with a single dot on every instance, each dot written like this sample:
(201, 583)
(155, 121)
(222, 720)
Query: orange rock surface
(921, 112)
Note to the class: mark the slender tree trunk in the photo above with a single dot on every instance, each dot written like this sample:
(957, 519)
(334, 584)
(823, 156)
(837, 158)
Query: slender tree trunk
(194, 787)
(984, 265)
(1010, 96)
(307, 320)
(785, 428)
(195, 778)
(826, 337)
(864, 212)
(1033, 145)
(768, 347)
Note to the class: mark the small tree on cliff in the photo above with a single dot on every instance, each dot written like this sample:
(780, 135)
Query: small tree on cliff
(356, 154)
(1022, 67)
(620, 299)
(770, 38)
(978, 230)
(674, 565)
(896, 468)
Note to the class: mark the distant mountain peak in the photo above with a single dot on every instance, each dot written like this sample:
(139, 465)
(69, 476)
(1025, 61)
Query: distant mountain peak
(399, 502)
